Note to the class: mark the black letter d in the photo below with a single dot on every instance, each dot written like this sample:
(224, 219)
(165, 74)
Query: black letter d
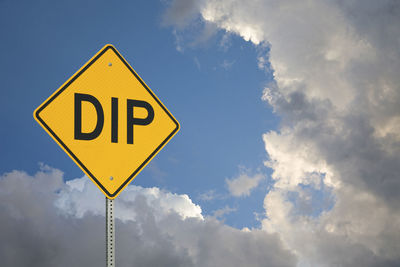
(78, 117)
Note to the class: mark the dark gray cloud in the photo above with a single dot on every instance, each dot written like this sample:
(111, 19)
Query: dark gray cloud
(337, 89)
(46, 222)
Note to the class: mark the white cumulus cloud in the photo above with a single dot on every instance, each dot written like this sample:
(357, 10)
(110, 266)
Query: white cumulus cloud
(81, 196)
(47, 222)
(243, 183)
(336, 88)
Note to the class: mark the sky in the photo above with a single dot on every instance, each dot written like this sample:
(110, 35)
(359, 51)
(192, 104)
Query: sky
(289, 147)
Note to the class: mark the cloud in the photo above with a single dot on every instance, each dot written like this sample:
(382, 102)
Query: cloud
(47, 222)
(197, 63)
(226, 64)
(336, 87)
(178, 42)
(181, 12)
(73, 200)
(209, 195)
(243, 183)
(220, 213)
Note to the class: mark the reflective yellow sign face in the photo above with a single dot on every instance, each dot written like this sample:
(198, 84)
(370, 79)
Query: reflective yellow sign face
(108, 121)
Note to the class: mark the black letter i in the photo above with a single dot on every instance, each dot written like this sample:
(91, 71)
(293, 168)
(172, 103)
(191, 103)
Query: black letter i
(114, 120)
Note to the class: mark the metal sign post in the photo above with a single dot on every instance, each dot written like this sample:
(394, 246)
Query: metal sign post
(110, 233)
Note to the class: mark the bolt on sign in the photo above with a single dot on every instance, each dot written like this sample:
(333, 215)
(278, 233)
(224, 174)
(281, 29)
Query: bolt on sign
(108, 121)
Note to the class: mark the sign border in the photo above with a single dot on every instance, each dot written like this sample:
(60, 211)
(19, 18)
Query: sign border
(37, 117)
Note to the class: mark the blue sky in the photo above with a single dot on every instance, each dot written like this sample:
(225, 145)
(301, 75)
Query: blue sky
(213, 89)
(289, 148)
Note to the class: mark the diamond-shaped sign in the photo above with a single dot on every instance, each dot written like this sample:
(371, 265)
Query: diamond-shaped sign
(108, 121)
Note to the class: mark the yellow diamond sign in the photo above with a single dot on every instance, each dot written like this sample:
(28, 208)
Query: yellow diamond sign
(108, 121)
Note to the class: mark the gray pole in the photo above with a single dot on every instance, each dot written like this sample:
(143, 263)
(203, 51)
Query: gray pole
(110, 233)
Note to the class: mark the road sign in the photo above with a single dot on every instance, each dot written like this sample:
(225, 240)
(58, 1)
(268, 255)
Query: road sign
(108, 121)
